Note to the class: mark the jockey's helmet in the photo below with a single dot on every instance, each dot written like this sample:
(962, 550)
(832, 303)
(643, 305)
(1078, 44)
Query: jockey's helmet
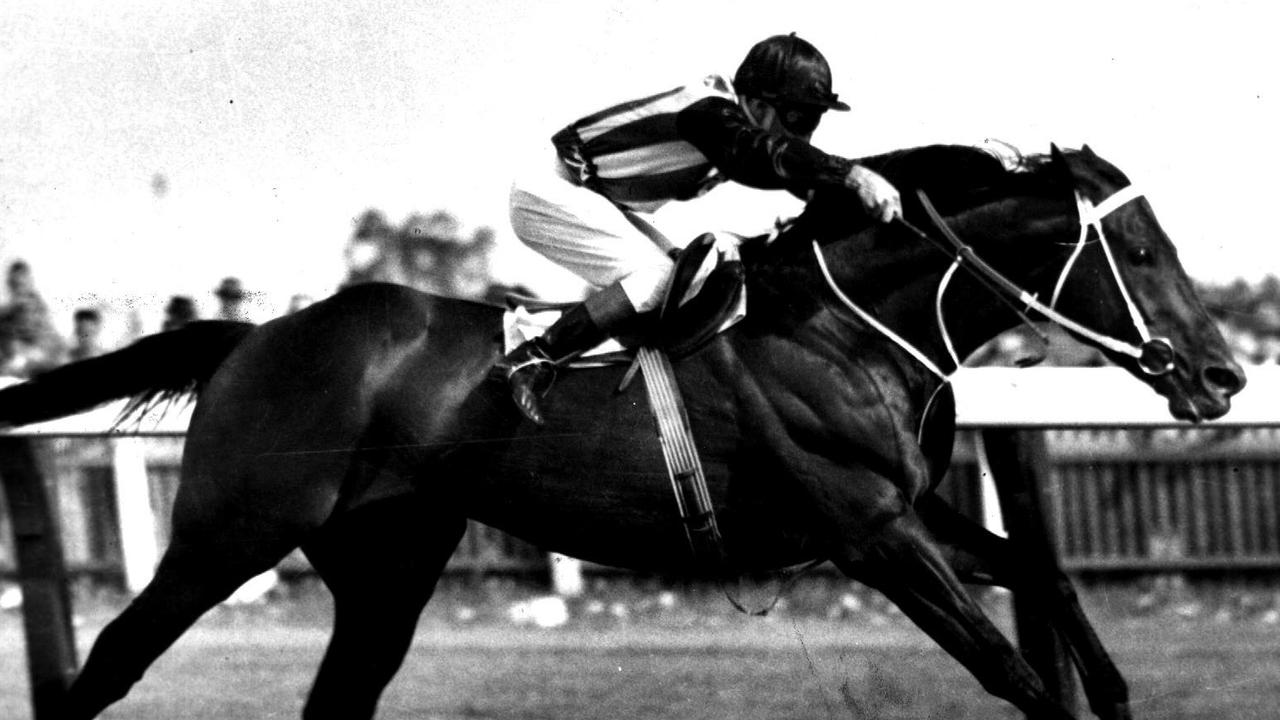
(786, 70)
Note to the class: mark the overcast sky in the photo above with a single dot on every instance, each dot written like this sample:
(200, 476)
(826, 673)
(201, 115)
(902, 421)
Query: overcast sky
(150, 148)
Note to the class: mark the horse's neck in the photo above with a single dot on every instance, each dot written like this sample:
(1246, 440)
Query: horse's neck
(903, 287)
(1028, 242)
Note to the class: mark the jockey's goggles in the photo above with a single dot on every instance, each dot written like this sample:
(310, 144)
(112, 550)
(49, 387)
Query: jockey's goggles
(799, 119)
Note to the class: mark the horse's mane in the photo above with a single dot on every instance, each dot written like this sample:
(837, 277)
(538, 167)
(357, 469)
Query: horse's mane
(955, 178)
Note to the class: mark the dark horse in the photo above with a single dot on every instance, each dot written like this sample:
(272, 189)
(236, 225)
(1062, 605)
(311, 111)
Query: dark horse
(366, 429)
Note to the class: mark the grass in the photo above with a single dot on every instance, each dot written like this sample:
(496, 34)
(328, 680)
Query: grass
(650, 654)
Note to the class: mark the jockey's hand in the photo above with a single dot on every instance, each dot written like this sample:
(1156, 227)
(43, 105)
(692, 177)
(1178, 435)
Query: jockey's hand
(878, 196)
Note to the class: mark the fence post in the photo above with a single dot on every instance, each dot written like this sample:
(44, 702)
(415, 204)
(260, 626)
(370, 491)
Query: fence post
(992, 515)
(46, 602)
(566, 575)
(138, 546)
(1018, 462)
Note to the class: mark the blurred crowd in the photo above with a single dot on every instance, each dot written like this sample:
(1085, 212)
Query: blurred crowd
(430, 252)
(1249, 316)
(31, 344)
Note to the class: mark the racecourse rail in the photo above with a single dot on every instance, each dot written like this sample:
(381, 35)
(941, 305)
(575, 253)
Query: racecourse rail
(1006, 410)
(1074, 400)
(1207, 498)
(987, 399)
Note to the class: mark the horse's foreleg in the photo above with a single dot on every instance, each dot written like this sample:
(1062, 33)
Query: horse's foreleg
(191, 578)
(983, 557)
(900, 560)
(381, 562)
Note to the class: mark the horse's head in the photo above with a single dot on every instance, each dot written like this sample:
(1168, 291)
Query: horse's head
(1097, 262)
(1123, 281)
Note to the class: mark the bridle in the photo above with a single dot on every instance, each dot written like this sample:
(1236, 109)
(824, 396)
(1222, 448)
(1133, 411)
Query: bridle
(1154, 355)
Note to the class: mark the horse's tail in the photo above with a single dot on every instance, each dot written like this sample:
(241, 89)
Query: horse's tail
(154, 369)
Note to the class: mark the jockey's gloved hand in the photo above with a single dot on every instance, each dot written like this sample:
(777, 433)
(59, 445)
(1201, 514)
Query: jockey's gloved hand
(879, 197)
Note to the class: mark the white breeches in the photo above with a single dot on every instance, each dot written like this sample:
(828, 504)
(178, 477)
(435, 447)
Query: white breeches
(584, 232)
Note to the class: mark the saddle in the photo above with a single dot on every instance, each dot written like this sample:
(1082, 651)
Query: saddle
(706, 296)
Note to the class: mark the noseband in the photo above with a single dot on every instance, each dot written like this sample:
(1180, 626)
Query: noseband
(1155, 354)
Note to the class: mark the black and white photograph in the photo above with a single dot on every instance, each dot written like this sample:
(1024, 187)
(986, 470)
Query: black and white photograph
(599, 359)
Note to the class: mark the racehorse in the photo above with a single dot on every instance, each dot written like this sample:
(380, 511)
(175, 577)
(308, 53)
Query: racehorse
(367, 428)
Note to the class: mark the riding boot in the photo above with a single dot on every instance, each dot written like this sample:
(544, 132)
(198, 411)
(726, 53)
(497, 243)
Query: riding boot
(531, 366)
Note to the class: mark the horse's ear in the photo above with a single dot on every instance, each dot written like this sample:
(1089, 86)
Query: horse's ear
(1088, 151)
(1059, 161)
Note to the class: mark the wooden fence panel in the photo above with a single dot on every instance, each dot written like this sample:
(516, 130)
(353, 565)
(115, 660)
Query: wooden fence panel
(1196, 499)
(1115, 500)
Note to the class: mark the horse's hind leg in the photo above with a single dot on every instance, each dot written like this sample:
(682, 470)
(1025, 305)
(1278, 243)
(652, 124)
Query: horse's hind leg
(193, 576)
(381, 563)
(983, 557)
(901, 560)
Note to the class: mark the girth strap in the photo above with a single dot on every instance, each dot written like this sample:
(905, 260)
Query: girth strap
(684, 467)
(688, 482)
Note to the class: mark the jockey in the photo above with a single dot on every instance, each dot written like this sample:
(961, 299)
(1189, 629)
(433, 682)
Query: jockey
(580, 210)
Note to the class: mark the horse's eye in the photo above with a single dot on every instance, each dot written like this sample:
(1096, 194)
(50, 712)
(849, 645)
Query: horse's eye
(1141, 255)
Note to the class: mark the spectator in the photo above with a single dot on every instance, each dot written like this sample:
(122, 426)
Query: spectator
(230, 294)
(180, 311)
(12, 359)
(299, 301)
(1269, 350)
(34, 345)
(87, 333)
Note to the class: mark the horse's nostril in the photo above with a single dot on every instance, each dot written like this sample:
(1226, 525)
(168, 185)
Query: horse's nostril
(1229, 379)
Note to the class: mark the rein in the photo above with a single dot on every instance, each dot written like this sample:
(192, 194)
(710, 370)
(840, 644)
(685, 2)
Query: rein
(1154, 355)
(897, 339)
(869, 319)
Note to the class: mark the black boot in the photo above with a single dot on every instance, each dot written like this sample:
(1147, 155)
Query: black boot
(531, 367)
